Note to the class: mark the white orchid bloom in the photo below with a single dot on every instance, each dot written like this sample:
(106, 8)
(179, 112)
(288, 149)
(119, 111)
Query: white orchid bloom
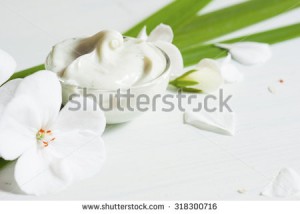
(206, 77)
(7, 66)
(248, 53)
(54, 148)
(229, 71)
(162, 36)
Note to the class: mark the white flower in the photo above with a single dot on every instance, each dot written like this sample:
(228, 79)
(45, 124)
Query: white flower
(162, 36)
(6, 93)
(248, 53)
(7, 66)
(54, 148)
(206, 77)
(229, 71)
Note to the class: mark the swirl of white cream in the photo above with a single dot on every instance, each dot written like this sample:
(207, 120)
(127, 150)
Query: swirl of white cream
(106, 61)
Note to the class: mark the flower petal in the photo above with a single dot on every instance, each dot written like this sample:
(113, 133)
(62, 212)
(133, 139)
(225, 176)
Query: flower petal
(81, 114)
(248, 53)
(143, 34)
(229, 71)
(76, 153)
(7, 92)
(7, 66)
(36, 172)
(44, 87)
(218, 122)
(19, 125)
(285, 184)
(176, 61)
(78, 138)
(208, 63)
(162, 33)
(83, 153)
(207, 75)
(35, 105)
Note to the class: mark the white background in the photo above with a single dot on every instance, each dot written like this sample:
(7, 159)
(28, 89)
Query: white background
(157, 157)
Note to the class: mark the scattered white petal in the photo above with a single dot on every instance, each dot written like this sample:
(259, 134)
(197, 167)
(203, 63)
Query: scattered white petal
(285, 184)
(218, 122)
(161, 33)
(229, 71)
(248, 53)
(143, 34)
(276, 86)
(241, 191)
(272, 89)
(7, 66)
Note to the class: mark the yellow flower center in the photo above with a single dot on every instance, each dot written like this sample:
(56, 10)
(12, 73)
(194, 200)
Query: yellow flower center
(44, 137)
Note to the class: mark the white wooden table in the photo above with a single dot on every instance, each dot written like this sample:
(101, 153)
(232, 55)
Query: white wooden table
(157, 157)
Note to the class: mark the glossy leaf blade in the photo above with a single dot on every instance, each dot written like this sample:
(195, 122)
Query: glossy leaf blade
(174, 14)
(221, 22)
(194, 54)
(27, 72)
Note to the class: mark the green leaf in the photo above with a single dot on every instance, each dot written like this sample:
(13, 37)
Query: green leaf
(27, 72)
(193, 55)
(191, 31)
(184, 75)
(192, 90)
(3, 163)
(272, 36)
(181, 82)
(221, 22)
(174, 14)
